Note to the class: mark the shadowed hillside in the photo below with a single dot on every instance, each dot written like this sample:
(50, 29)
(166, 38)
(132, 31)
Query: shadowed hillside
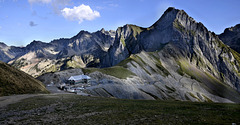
(13, 81)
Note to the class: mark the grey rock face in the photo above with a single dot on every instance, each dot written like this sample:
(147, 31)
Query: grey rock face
(8, 53)
(88, 50)
(231, 37)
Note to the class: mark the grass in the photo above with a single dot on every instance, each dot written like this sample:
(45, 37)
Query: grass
(74, 109)
(180, 71)
(159, 64)
(179, 26)
(225, 48)
(13, 81)
(125, 62)
(19, 63)
(209, 82)
(122, 40)
(116, 71)
(184, 69)
(136, 30)
(136, 58)
(171, 89)
(191, 94)
(52, 69)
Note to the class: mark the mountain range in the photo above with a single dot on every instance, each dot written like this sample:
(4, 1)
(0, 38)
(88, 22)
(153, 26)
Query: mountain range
(175, 58)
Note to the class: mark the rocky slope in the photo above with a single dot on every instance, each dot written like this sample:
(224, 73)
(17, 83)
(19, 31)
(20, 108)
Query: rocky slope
(175, 58)
(13, 81)
(185, 39)
(8, 53)
(83, 50)
(231, 37)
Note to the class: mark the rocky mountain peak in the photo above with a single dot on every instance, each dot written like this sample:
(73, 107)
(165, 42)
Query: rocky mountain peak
(231, 37)
(102, 30)
(166, 19)
(2, 45)
(232, 30)
(80, 34)
(35, 45)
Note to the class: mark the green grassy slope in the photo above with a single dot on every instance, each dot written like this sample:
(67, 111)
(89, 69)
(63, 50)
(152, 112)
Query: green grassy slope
(116, 71)
(13, 81)
(74, 109)
(211, 84)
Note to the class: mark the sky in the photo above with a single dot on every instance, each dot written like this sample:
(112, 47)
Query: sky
(22, 21)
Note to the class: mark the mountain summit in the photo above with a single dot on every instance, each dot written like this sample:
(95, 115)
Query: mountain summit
(176, 57)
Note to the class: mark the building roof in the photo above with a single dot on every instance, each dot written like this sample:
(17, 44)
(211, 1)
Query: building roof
(79, 77)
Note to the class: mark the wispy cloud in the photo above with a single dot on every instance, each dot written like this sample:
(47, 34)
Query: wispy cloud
(58, 5)
(34, 13)
(113, 5)
(80, 13)
(0, 27)
(39, 1)
(32, 24)
(1, 1)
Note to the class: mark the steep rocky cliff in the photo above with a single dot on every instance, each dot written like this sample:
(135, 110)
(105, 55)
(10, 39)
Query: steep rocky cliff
(231, 37)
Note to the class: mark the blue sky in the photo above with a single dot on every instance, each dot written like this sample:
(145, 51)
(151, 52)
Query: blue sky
(22, 21)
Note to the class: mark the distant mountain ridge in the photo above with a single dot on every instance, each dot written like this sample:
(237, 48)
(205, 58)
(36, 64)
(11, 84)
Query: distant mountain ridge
(176, 57)
(231, 37)
(85, 48)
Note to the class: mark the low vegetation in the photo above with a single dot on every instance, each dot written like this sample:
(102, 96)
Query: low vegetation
(179, 26)
(228, 49)
(116, 71)
(136, 30)
(74, 109)
(13, 81)
(209, 82)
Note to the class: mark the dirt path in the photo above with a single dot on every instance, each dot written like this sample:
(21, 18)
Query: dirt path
(6, 100)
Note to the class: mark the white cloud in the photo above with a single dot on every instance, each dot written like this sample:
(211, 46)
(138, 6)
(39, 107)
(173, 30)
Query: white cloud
(0, 27)
(80, 13)
(39, 1)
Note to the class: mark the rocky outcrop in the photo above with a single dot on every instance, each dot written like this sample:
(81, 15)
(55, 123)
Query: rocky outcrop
(231, 37)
